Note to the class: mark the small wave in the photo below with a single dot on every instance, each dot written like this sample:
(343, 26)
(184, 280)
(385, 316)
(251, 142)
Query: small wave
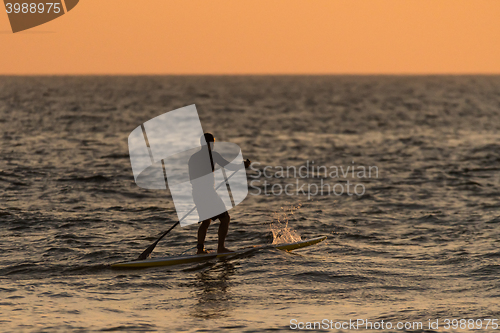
(97, 254)
(137, 328)
(58, 250)
(56, 295)
(487, 272)
(492, 255)
(116, 156)
(495, 220)
(329, 277)
(357, 236)
(96, 178)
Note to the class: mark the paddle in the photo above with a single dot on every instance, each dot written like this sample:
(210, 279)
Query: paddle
(144, 255)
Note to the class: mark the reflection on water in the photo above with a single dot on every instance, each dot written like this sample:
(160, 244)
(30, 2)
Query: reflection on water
(213, 290)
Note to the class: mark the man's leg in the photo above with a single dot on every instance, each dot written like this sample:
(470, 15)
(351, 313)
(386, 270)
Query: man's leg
(223, 229)
(202, 233)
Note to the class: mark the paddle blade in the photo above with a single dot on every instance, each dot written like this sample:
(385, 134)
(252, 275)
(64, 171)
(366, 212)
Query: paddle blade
(145, 255)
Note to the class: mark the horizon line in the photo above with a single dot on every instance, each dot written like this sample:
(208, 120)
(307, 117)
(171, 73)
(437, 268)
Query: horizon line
(256, 74)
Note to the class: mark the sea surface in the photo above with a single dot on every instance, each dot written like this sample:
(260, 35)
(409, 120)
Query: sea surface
(422, 242)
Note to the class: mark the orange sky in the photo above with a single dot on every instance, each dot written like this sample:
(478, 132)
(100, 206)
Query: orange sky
(260, 37)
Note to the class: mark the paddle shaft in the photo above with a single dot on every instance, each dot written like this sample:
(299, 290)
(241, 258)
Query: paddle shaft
(144, 255)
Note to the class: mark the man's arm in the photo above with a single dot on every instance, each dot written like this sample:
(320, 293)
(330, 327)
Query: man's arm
(226, 164)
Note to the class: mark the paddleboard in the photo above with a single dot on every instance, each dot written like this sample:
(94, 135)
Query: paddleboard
(186, 259)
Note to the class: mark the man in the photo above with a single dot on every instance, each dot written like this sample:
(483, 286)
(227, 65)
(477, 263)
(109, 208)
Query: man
(205, 196)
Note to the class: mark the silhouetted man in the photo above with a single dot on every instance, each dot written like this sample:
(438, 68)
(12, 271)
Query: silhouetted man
(205, 196)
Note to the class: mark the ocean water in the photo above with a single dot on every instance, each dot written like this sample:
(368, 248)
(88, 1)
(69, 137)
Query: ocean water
(422, 242)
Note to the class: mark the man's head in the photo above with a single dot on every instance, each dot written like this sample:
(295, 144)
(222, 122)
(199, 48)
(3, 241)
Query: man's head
(207, 137)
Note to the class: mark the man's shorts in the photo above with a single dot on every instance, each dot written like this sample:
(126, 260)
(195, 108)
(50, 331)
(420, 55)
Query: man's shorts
(220, 216)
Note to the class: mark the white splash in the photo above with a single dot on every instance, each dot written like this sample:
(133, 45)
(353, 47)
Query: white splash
(282, 233)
